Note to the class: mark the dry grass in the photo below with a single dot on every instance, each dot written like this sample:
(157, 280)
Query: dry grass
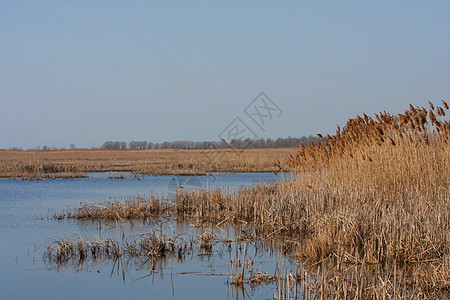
(76, 163)
(132, 208)
(66, 252)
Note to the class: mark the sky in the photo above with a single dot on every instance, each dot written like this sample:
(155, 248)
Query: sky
(85, 72)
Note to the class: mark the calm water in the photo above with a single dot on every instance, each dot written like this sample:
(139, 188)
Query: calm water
(25, 230)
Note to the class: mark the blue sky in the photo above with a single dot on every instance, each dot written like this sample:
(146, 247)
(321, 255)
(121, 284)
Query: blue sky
(84, 72)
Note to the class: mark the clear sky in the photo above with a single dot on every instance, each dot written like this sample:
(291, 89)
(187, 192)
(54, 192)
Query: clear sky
(85, 72)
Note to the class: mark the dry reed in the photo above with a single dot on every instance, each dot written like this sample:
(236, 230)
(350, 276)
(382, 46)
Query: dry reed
(376, 193)
(131, 208)
(66, 252)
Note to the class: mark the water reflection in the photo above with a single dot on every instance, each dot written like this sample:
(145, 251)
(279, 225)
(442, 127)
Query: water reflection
(246, 263)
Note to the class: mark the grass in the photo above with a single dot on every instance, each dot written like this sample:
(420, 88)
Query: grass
(132, 208)
(76, 163)
(66, 252)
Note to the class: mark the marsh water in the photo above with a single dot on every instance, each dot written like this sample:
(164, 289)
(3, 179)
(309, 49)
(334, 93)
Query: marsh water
(27, 228)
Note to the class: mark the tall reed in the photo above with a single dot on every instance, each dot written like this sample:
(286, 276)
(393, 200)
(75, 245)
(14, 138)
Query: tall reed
(375, 193)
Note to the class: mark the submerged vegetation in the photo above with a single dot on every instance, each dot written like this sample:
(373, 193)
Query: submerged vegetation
(366, 211)
(152, 244)
(154, 252)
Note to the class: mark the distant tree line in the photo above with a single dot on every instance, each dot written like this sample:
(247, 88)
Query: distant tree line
(114, 145)
(237, 144)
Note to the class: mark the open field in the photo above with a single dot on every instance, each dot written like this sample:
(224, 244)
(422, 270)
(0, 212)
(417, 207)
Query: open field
(368, 211)
(76, 163)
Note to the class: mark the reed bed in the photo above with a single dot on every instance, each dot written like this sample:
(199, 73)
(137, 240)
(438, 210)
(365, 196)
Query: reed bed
(131, 208)
(77, 163)
(376, 193)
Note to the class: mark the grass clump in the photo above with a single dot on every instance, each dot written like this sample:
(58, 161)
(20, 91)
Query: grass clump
(66, 252)
(132, 208)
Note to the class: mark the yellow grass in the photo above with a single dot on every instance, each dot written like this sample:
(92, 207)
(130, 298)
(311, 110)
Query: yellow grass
(76, 163)
(132, 208)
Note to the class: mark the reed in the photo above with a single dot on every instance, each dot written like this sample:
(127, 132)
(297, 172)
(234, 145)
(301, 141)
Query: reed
(376, 193)
(131, 208)
(67, 252)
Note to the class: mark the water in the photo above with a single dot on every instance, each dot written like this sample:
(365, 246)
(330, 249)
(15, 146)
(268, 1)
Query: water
(25, 231)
